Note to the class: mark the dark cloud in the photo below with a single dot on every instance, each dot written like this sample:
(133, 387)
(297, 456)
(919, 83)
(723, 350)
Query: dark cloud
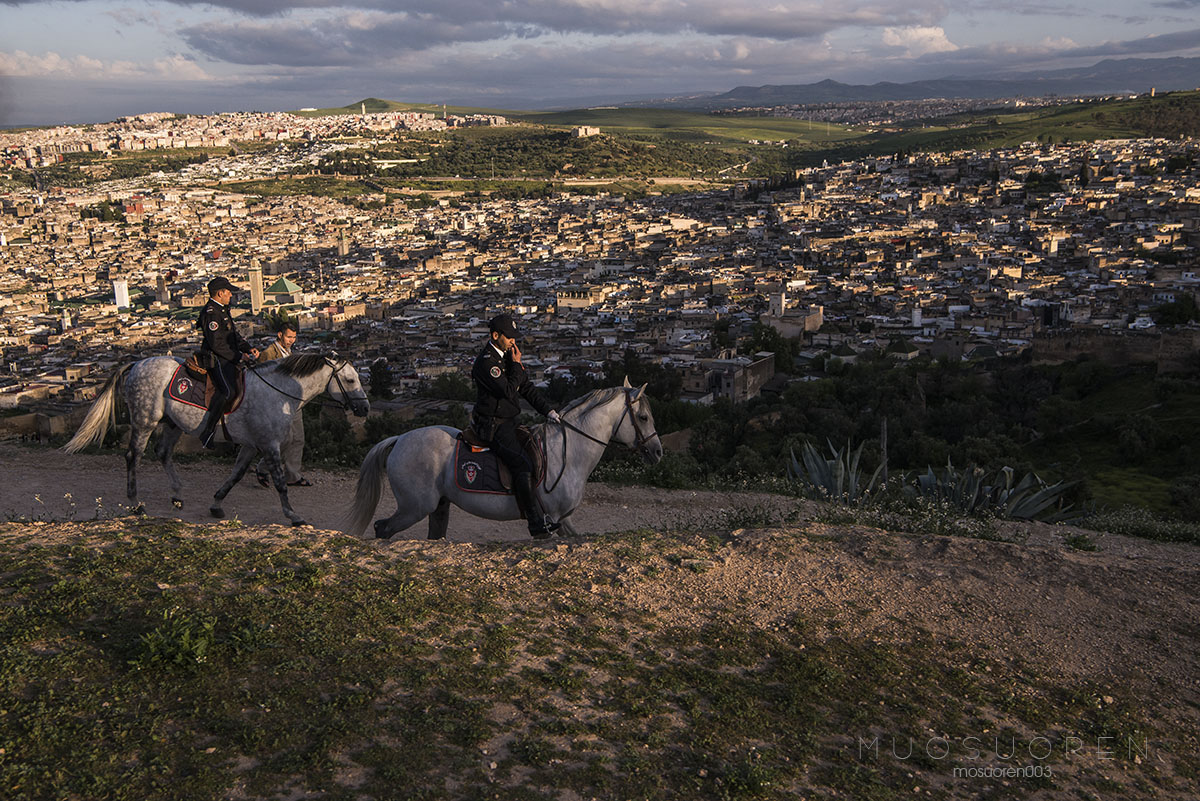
(370, 35)
(774, 19)
(1149, 45)
(1007, 56)
(334, 43)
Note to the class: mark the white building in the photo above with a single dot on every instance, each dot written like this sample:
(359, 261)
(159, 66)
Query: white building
(121, 294)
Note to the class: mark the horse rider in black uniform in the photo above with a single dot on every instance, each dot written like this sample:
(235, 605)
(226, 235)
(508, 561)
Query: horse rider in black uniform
(501, 382)
(221, 351)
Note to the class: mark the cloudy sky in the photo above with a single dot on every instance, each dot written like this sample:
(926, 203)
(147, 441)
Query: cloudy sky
(94, 60)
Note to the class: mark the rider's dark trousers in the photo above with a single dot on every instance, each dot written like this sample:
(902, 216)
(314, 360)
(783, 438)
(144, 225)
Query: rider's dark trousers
(508, 447)
(224, 378)
(504, 441)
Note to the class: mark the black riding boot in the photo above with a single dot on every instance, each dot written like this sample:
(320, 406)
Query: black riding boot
(539, 527)
(209, 427)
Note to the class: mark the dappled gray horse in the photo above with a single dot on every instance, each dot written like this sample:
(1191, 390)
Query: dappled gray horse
(274, 392)
(421, 469)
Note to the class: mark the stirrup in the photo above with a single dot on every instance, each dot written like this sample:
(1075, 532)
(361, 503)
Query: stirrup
(545, 529)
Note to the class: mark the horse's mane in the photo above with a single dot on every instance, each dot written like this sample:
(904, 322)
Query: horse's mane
(301, 364)
(589, 401)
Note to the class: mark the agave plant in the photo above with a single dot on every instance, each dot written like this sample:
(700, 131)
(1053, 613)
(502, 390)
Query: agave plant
(973, 491)
(837, 478)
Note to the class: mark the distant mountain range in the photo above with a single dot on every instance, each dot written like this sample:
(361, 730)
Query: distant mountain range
(1110, 76)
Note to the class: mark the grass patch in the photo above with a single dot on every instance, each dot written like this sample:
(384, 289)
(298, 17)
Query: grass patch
(320, 185)
(696, 127)
(918, 515)
(1133, 521)
(1081, 542)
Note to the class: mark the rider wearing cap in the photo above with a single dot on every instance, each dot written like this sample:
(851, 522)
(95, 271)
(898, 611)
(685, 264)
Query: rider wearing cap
(220, 352)
(501, 382)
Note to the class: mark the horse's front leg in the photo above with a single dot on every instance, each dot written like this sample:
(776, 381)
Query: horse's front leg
(439, 520)
(244, 457)
(275, 468)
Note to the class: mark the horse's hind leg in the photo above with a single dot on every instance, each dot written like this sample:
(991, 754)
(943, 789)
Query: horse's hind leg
(408, 512)
(244, 457)
(167, 441)
(439, 520)
(138, 437)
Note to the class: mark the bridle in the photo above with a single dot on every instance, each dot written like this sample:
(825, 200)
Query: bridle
(343, 404)
(337, 376)
(640, 440)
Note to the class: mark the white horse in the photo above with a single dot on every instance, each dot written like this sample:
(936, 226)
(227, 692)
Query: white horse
(421, 469)
(274, 392)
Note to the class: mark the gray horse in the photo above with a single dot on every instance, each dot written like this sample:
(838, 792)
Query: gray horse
(274, 392)
(421, 469)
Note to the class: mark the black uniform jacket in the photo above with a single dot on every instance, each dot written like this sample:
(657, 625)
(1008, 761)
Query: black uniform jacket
(221, 339)
(500, 384)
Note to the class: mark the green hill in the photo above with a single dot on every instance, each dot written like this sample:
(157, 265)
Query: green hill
(693, 127)
(1168, 115)
(374, 105)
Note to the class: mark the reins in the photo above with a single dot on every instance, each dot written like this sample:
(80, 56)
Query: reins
(639, 440)
(341, 404)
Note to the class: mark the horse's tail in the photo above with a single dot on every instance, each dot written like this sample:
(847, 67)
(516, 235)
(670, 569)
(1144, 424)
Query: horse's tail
(370, 484)
(95, 424)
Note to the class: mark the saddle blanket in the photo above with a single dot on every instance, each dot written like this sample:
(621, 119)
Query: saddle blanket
(478, 470)
(186, 389)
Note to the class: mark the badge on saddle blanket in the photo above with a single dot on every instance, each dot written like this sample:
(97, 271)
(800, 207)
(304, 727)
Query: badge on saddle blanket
(186, 389)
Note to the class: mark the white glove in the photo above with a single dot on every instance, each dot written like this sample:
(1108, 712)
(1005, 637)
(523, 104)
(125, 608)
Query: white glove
(553, 416)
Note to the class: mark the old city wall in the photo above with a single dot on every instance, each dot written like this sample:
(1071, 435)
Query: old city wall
(1171, 352)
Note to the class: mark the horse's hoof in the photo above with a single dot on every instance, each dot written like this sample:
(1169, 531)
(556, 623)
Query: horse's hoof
(139, 510)
(217, 512)
(177, 503)
(298, 523)
(381, 529)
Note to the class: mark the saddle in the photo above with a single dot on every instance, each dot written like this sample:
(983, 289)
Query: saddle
(479, 469)
(191, 385)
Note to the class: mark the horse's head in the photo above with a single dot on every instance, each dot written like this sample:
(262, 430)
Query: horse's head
(637, 425)
(345, 386)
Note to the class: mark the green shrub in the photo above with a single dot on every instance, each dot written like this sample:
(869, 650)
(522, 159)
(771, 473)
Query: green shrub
(838, 478)
(1134, 521)
(972, 491)
(182, 640)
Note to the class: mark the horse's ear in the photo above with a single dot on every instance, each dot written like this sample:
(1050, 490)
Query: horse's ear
(627, 385)
(637, 396)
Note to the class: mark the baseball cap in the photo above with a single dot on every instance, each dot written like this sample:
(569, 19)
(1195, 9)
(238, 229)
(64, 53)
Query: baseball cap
(219, 283)
(503, 324)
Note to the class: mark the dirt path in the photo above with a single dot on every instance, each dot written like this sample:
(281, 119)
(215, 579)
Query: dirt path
(45, 484)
